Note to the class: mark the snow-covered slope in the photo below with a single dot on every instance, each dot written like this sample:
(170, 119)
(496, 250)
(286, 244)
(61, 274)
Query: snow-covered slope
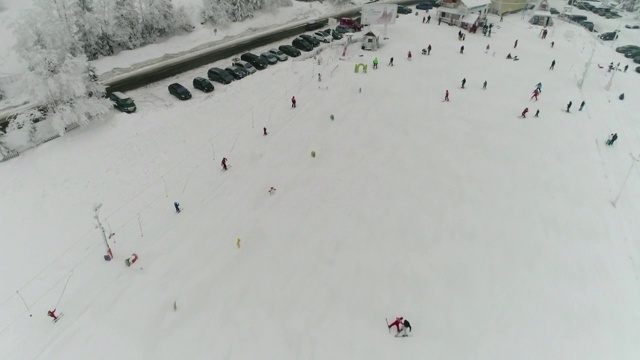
(494, 235)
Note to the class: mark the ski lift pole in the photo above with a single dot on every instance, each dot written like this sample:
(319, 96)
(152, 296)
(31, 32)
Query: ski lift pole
(63, 290)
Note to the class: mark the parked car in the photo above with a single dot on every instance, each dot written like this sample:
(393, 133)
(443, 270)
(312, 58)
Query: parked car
(424, 6)
(404, 10)
(343, 29)
(311, 40)
(289, 50)
(301, 44)
(632, 26)
(241, 69)
(577, 18)
(625, 48)
(314, 25)
(632, 53)
(202, 84)
(352, 23)
(255, 60)
(243, 64)
(219, 75)
(269, 57)
(122, 102)
(322, 37)
(236, 72)
(279, 54)
(638, 69)
(587, 25)
(554, 11)
(636, 59)
(608, 36)
(336, 35)
(179, 91)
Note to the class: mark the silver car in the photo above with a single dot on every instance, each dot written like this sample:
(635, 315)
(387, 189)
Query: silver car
(243, 64)
(279, 54)
(322, 37)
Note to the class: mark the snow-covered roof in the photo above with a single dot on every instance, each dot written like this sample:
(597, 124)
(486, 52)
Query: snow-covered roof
(542, 13)
(470, 18)
(446, 10)
(471, 4)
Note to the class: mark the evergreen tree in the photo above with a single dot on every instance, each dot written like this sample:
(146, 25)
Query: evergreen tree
(126, 32)
(87, 29)
(240, 10)
(216, 11)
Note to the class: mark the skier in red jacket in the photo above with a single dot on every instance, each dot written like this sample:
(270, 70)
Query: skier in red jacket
(524, 112)
(52, 313)
(224, 164)
(398, 321)
(536, 92)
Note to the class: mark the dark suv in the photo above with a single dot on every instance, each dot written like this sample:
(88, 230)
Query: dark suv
(219, 75)
(310, 39)
(301, 44)
(202, 84)
(122, 102)
(255, 60)
(179, 91)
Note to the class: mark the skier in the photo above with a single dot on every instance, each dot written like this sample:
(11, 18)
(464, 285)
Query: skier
(429, 49)
(524, 113)
(609, 139)
(581, 105)
(272, 190)
(614, 138)
(177, 206)
(486, 50)
(428, 19)
(439, 21)
(293, 103)
(397, 323)
(552, 43)
(130, 261)
(509, 57)
(264, 131)
(544, 33)
(553, 65)
(535, 94)
(52, 314)
(569, 106)
(537, 113)
(375, 63)
(539, 87)
(424, 19)
(409, 56)
(515, 45)
(319, 77)
(464, 81)
(405, 325)
(446, 95)
(462, 49)
(390, 62)
(484, 85)
(626, 67)
(224, 164)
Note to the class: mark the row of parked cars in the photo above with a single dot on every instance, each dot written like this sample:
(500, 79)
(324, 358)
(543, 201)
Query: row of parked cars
(607, 12)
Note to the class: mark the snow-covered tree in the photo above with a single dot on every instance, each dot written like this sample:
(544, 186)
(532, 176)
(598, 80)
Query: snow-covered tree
(59, 75)
(273, 5)
(87, 29)
(126, 31)
(240, 10)
(161, 19)
(216, 11)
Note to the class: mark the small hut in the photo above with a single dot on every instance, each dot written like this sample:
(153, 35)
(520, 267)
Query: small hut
(370, 41)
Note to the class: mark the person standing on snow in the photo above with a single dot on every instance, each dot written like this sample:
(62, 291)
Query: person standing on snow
(569, 106)
(52, 314)
(535, 94)
(524, 113)
(553, 65)
(581, 105)
(446, 95)
(177, 206)
(405, 325)
(486, 50)
(264, 131)
(409, 56)
(375, 63)
(462, 49)
(428, 19)
(293, 103)
(390, 62)
(614, 138)
(537, 113)
(484, 85)
(515, 45)
(464, 81)
(539, 87)
(397, 323)
(429, 49)
(626, 67)
(224, 164)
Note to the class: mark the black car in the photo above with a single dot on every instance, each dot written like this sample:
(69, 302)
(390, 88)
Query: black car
(336, 35)
(577, 18)
(301, 44)
(626, 48)
(587, 25)
(554, 11)
(313, 25)
(404, 10)
(424, 6)
(255, 60)
(179, 91)
(289, 50)
(632, 53)
(236, 72)
(638, 69)
(202, 84)
(608, 36)
(310, 39)
(342, 29)
(632, 26)
(219, 75)
(269, 57)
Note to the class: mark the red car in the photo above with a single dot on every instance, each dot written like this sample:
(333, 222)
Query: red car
(351, 23)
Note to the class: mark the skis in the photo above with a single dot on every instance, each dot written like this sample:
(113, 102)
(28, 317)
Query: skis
(387, 321)
(57, 318)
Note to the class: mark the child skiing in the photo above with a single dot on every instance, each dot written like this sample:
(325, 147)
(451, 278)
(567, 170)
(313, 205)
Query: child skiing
(293, 104)
(264, 131)
(581, 105)
(405, 325)
(524, 113)
(375, 63)
(569, 106)
(446, 95)
(484, 85)
(535, 94)
(553, 65)
(464, 81)
(462, 49)
(52, 314)
(224, 164)
(397, 323)
(177, 206)
(409, 56)
(390, 62)
(537, 113)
